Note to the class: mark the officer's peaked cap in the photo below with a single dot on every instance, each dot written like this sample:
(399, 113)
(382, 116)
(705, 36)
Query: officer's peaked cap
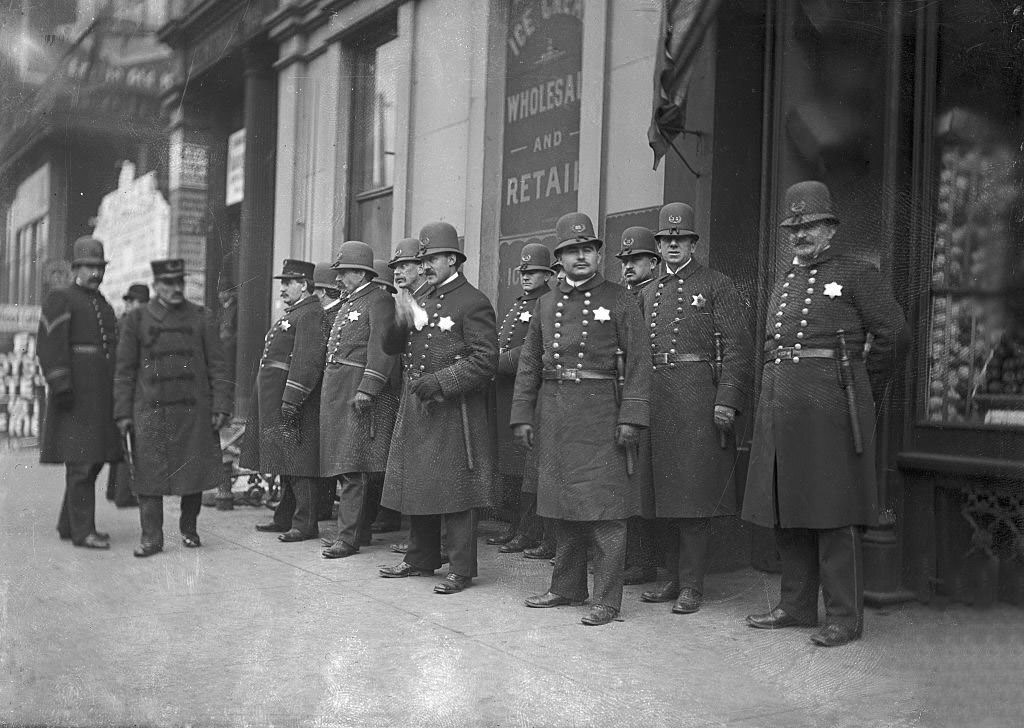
(292, 269)
(168, 269)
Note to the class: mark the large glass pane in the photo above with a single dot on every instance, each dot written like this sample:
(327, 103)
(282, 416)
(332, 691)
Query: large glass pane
(375, 133)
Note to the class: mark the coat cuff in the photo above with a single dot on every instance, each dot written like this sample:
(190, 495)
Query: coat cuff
(448, 380)
(521, 414)
(295, 393)
(59, 380)
(729, 395)
(372, 382)
(635, 412)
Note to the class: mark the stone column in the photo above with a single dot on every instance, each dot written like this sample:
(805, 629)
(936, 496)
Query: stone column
(256, 264)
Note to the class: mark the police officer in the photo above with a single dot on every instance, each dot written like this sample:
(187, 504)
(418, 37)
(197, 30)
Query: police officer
(640, 258)
(172, 393)
(585, 338)
(326, 289)
(520, 495)
(359, 399)
(449, 348)
(282, 435)
(408, 270)
(700, 357)
(812, 459)
(77, 345)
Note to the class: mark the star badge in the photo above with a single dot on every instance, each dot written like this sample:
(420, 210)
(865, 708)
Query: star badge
(833, 290)
(698, 301)
(525, 316)
(602, 314)
(286, 324)
(353, 315)
(445, 323)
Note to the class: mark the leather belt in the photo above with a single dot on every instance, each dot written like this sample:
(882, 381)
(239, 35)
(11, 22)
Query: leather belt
(347, 363)
(576, 375)
(792, 353)
(668, 358)
(414, 373)
(272, 364)
(86, 349)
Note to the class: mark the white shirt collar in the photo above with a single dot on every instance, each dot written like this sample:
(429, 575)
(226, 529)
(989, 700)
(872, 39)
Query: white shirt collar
(577, 284)
(676, 271)
(450, 278)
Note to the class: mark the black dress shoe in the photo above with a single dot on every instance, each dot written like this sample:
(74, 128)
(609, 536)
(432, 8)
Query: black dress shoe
(600, 614)
(93, 541)
(664, 593)
(638, 575)
(501, 539)
(517, 544)
(452, 584)
(402, 570)
(689, 601)
(293, 535)
(271, 527)
(835, 635)
(147, 549)
(547, 600)
(778, 618)
(544, 551)
(339, 550)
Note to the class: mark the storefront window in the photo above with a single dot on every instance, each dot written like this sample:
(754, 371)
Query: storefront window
(975, 335)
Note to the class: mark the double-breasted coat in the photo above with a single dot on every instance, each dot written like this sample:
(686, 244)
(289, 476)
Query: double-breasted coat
(171, 377)
(511, 335)
(428, 469)
(804, 471)
(356, 362)
(290, 370)
(581, 472)
(77, 347)
(694, 477)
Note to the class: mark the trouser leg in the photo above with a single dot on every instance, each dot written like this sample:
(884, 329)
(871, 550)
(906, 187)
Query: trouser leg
(191, 504)
(798, 550)
(694, 537)
(80, 499)
(640, 544)
(304, 519)
(668, 533)
(285, 511)
(609, 541)
(351, 502)
(111, 481)
(569, 578)
(123, 495)
(325, 492)
(531, 525)
(842, 576)
(151, 518)
(461, 542)
(386, 518)
(424, 542)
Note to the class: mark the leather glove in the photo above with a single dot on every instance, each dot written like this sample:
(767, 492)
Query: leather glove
(362, 403)
(125, 425)
(290, 414)
(523, 435)
(426, 387)
(64, 400)
(627, 435)
(218, 420)
(725, 417)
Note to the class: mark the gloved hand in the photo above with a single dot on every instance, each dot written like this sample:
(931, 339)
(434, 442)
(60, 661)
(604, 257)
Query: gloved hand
(523, 435)
(124, 425)
(426, 387)
(725, 417)
(362, 403)
(64, 400)
(627, 435)
(290, 415)
(218, 420)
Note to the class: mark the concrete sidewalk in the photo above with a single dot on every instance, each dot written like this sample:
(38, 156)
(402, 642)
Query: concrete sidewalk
(247, 631)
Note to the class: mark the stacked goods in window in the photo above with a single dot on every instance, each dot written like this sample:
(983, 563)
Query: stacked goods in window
(976, 190)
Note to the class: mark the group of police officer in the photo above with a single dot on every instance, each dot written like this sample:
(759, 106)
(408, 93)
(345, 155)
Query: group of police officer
(592, 407)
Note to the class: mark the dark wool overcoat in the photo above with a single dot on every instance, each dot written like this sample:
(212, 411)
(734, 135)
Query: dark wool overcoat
(428, 469)
(290, 371)
(77, 346)
(804, 471)
(581, 472)
(511, 336)
(171, 377)
(694, 477)
(356, 362)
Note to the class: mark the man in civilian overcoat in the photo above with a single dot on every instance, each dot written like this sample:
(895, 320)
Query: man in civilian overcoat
(359, 398)
(812, 459)
(77, 346)
(283, 432)
(695, 317)
(583, 383)
(445, 470)
(520, 495)
(172, 395)
(327, 290)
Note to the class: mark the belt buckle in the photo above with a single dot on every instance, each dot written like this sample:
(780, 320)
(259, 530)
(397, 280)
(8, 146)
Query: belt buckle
(661, 358)
(784, 352)
(569, 374)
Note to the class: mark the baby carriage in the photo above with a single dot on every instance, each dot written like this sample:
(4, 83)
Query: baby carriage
(248, 487)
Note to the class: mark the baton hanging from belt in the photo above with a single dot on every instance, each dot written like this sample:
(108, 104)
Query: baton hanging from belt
(620, 384)
(722, 437)
(129, 450)
(466, 440)
(846, 380)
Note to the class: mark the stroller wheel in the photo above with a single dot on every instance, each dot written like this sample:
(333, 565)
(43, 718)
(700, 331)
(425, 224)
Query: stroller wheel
(255, 494)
